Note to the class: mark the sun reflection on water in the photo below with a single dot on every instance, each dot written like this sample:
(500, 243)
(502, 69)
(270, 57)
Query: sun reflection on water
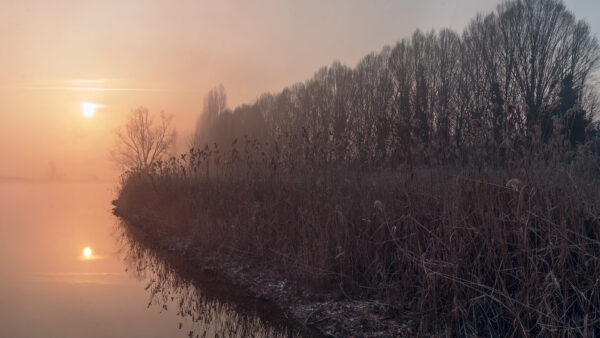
(87, 252)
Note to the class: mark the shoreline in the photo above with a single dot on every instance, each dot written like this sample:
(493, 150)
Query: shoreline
(420, 252)
(329, 314)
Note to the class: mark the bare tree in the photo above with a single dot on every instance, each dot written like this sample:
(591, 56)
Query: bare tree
(144, 140)
(545, 44)
(432, 97)
(215, 104)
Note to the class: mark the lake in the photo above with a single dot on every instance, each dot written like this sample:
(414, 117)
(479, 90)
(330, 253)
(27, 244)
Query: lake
(49, 288)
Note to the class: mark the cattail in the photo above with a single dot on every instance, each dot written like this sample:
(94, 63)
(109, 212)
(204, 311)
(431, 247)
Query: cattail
(514, 184)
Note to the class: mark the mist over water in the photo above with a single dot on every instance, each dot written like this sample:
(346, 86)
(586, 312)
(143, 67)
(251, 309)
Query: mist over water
(49, 289)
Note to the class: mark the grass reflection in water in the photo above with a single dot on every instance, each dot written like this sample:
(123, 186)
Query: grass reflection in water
(208, 305)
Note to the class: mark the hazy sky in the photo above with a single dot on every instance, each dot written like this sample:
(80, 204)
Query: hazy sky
(167, 54)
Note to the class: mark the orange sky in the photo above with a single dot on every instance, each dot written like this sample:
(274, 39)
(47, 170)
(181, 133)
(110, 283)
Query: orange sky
(167, 54)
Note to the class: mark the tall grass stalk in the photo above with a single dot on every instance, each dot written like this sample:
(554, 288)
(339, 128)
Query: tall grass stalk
(473, 249)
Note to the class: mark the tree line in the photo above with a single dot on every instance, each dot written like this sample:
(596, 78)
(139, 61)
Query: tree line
(515, 78)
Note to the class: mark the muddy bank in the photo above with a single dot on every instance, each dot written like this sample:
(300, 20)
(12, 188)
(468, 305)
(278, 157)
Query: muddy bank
(256, 287)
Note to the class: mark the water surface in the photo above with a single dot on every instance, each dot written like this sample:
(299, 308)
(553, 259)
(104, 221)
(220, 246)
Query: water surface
(49, 289)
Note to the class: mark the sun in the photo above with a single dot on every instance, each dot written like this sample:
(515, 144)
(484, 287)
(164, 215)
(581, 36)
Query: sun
(87, 252)
(88, 109)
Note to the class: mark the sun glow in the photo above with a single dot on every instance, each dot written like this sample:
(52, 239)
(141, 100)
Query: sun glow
(87, 252)
(88, 109)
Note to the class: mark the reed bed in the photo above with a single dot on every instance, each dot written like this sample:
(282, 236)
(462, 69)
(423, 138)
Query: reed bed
(462, 249)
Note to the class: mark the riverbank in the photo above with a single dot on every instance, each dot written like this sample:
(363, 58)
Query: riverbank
(236, 277)
(423, 252)
(199, 290)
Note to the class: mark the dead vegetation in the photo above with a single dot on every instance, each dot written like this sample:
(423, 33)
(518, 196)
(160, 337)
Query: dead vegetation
(461, 194)
(469, 250)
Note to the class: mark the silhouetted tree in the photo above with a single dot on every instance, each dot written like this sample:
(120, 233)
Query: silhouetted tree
(145, 139)
(215, 103)
(435, 96)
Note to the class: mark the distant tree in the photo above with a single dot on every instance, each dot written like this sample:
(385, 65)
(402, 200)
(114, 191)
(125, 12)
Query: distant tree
(145, 139)
(215, 103)
(542, 41)
(434, 96)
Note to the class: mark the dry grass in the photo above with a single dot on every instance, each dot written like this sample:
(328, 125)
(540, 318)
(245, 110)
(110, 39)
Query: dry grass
(468, 250)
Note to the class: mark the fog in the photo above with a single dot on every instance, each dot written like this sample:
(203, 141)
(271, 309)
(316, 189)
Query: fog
(120, 55)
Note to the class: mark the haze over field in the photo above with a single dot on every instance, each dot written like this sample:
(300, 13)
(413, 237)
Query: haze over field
(119, 55)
